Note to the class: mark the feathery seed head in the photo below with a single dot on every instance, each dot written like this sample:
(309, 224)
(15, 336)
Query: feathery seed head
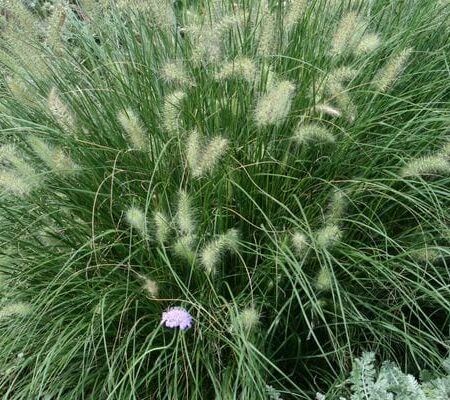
(206, 43)
(171, 111)
(60, 111)
(327, 110)
(426, 255)
(347, 34)
(341, 75)
(62, 163)
(53, 158)
(210, 257)
(241, 67)
(248, 319)
(334, 86)
(55, 26)
(211, 253)
(312, 133)
(185, 215)
(20, 178)
(266, 45)
(345, 103)
(193, 153)
(19, 308)
(184, 247)
(175, 73)
(21, 90)
(213, 152)
(369, 42)
(429, 165)
(207, 35)
(324, 279)
(162, 226)
(159, 13)
(136, 219)
(294, 13)
(10, 155)
(22, 20)
(391, 71)
(300, 243)
(133, 128)
(328, 236)
(14, 183)
(151, 287)
(230, 240)
(446, 150)
(337, 207)
(274, 106)
(163, 15)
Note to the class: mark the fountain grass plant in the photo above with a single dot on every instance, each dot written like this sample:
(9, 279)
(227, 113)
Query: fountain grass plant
(261, 166)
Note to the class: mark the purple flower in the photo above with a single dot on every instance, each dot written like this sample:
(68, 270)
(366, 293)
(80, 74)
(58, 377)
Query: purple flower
(176, 317)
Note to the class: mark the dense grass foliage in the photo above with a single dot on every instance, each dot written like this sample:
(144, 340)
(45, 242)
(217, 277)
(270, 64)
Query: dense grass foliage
(280, 171)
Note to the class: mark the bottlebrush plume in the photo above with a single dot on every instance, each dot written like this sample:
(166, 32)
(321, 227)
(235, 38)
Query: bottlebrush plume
(19, 308)
(163, 15)
(22, 19)
(159, 13)
(151, 287)
(336, 208)
(369, 42)
(55, 26)
(185, 215)
(136, 219)
(203, 160)
(324, 279)
(14, 183)
(445, 152)
(9, 154)
(53, 158)
(162, 226)
(211, 253)
(335, 86)
(248, 318)
(184, 247)
(429, 165)
(18, 177)
(206, 43)
(60, 111)
(133, 128)
(274, 106)
(241, 67)
(294, 13)
(326, 109)
(171, 111)
(21, 90)
(328, 236)
(266, 44)
(312, 133)
(391, 71)
(175, 73)
(300, 243)
(347, 34)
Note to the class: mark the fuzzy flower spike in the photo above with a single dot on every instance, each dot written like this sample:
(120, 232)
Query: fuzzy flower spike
(176, 317)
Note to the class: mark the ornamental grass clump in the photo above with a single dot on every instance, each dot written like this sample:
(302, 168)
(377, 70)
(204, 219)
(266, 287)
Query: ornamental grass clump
(220, 200)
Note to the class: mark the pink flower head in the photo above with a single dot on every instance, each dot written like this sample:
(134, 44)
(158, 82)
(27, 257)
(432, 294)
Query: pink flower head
(176, 317)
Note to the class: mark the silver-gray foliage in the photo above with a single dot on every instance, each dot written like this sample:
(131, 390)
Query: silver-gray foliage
(390, 383)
